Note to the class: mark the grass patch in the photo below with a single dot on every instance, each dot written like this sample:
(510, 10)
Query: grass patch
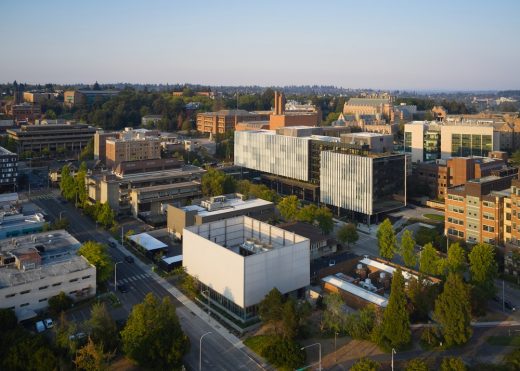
(284, 354)
(513, 341)
(259, 343)
(436, 217)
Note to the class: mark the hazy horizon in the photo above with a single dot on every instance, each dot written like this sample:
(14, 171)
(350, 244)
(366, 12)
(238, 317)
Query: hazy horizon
(411, 46)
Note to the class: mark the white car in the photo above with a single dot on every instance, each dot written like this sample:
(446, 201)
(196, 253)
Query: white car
(48, 323)
(332, 263)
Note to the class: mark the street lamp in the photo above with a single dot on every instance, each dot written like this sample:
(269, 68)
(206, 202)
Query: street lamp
(115, 274)
(319, 350)
(393, 352)
(200, 349)
(63, 211)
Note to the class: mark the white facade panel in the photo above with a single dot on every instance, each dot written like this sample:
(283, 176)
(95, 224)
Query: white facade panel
(347, 181)
(271, 153)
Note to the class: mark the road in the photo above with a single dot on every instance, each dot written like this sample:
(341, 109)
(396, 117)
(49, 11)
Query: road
(218, 352)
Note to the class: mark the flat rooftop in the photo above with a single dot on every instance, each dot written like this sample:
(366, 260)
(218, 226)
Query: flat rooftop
(20, 220)
(244, 234)
(485, 179)
(231, 204)
(356, 290)
(48, 242)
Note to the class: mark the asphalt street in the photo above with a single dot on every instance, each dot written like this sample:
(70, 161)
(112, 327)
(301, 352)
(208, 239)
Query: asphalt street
(218, 353)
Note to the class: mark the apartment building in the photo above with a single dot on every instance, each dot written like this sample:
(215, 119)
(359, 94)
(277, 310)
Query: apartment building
(237, 261)
(36, 97)
(36, 267)
(348, 177)
(25, 112)
(71, 138)
(144, 193)
(475, 212)
(131, 149)
(8, 170)
(217, 208)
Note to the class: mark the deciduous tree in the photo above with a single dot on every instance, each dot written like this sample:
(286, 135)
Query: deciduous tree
(429, 260)
(483, 267)
(153, 336)
(366, 364)
(408, 249)
(288, 207)
(453, 364)
(334, 315)
(97, 254)
(456, 259)
(92, 357)
(347, 234)
(416, 365)
(386, 239)
(102, 327)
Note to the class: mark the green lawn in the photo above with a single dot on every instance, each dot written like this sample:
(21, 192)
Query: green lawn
(436, 217)
(259, 343)
(513, 341)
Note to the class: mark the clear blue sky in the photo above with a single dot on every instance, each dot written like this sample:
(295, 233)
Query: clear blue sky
(415, 44)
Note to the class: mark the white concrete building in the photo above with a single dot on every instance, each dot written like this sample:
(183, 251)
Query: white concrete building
(266, 151)
(36, 267)
(468, 140)
(239, 260)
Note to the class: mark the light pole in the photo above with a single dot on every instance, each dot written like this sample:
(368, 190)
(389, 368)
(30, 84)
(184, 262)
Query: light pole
(61, 212)
(200, 349)
(209, 304)
(335, 354)
(393, 352)
(319, 350)
(115, 274)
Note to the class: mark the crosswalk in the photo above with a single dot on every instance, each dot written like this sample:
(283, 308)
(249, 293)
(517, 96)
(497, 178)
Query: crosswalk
(134, 278)
(43, 196)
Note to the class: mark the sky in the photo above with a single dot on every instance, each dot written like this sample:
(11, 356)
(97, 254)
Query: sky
(399, 44)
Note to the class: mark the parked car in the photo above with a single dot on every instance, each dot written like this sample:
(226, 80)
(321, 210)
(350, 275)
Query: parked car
(48, 323)
(122, 288)
(40, 327)
(332, 263)
(78, 336)
(129, 259)
(111, 244)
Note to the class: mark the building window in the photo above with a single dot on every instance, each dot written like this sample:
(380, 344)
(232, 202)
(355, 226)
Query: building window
(41, 300)
(85, 277)
(24, 304)
(43, 287)
(73, 280)
(25, 292)
(10, 295)
(56, 284)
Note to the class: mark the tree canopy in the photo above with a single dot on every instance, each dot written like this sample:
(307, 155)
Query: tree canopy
(288, 207)
(429, 260)
(407, 249)
(396, 331)
(453, 311)
(97, 254)
(366, 364)
(386, 239)
(483, 267)
(216, 183)
(153, 336)
(347, 234)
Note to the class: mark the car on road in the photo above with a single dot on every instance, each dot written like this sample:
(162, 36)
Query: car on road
(122, 288)
(509, 306)
(129, 259)
(48, 323)
(40, 326)
(332, 263)
(111, 244)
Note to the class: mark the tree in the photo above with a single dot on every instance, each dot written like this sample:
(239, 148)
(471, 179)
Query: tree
(63, 329)
(453, 311)
(324, 218)
(290, 322)
(270, 308)
(483, 267)
(97, 254)
(386, 240)
(59, 303)
(416, 364)
(288, 207)
(106, 216)
(456, 259)
(307, 213)
(334, 315)
(515, 158)
(92, 357)
(153, 336)
(429, 260)
(347, 234)
(67, 185)
(452, 364)
(359, 325)
(102, 327)
(8, 320)
(396, 323)
(408, 249)
(366, 364)
(215, 183)
(87, 153)
(80, 186)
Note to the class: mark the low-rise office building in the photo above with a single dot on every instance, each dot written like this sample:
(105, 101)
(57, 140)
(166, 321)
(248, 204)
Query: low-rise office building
(37, 267)
(25, 112)
(37, 97)
(78, 97)
(217, 208)
(146, 191)
(70, 138)
(238, 261)
(224, 121)
(140, 148)
(320, 244)
(16, 224)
